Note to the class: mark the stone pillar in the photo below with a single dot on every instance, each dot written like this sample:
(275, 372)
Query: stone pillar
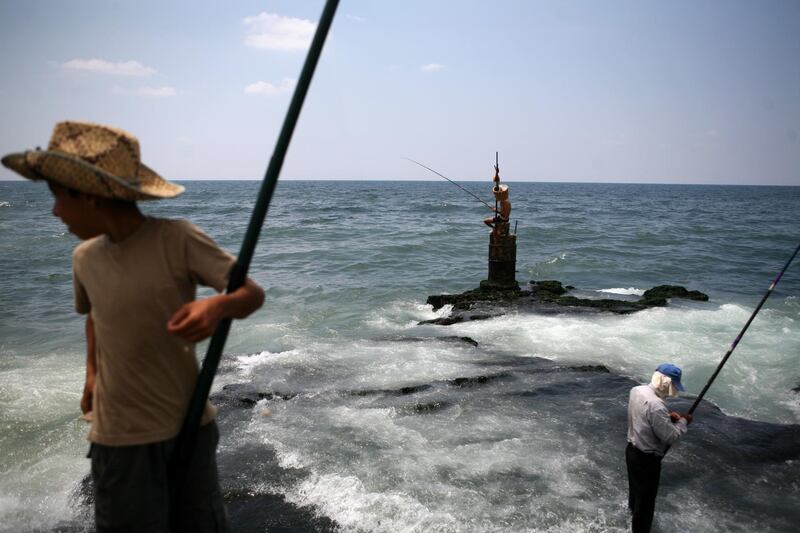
(502, 260)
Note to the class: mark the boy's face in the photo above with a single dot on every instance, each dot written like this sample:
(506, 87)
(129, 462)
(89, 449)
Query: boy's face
(77, 211)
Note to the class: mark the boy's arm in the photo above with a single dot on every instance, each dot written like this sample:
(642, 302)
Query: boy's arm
(197, 320)
(91, 366)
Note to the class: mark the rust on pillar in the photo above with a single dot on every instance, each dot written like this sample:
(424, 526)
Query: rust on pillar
(502, 244)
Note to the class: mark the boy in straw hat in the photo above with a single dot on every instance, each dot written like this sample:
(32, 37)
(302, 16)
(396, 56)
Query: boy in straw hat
(135, 278)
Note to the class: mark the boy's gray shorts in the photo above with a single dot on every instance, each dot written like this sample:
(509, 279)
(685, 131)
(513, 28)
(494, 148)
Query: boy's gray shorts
(132, 493)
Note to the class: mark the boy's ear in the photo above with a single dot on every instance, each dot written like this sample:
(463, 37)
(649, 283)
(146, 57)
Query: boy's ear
(93, 201)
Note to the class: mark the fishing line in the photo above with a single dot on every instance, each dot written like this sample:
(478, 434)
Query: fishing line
(497, 181)
(186, 439)
(451, 181)
(741, 333)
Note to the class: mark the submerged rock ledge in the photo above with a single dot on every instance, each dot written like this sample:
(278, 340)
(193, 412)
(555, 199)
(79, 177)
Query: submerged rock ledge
(483, 303)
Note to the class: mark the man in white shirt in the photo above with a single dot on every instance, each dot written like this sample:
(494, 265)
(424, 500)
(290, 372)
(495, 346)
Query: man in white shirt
(652, 429)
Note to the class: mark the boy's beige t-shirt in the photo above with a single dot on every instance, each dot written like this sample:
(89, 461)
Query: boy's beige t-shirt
(145, 375)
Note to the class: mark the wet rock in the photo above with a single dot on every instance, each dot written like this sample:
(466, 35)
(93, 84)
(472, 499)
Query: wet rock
(544, 296)
(466, 300)
(445, 338)
(425, 408)
(271, 512)
(470, 340)
(245, 395)
(449, 320)
(444, 321)
(403, 391)
(549, 288)
(620, 307)
(590, 368)
(478, 380)
(663, 292)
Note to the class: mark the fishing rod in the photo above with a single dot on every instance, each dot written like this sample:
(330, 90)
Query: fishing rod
(741, 333)
(496, 178)
(186, 439)
(453, 182)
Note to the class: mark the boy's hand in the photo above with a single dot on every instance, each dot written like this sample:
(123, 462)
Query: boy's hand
(91, 367)
(196, 320)
(86, 399)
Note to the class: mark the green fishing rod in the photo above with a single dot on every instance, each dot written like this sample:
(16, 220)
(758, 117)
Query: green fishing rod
(741, 333)
(453, 182)
(186, 439)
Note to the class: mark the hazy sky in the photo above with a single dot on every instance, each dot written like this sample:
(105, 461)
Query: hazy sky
(609, 91)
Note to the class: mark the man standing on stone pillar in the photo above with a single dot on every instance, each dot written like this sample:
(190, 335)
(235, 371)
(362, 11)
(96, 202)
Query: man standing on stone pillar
(499, 222)
(502, 245)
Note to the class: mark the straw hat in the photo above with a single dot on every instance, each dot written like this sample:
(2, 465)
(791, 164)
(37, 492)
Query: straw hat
(500, 192)
(94, 159)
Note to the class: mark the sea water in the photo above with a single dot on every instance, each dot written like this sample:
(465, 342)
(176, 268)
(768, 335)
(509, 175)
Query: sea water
(347, 267)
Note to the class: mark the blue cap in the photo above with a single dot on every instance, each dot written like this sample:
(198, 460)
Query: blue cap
(674, 373)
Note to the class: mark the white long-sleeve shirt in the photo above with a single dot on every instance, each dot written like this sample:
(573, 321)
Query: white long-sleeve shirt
(650, 428)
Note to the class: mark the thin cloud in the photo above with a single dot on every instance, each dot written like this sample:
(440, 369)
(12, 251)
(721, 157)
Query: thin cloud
(148, 92)
(121, 68)
(270, 89)
(431, 67)
(355, 18)
(157, 92)
(274, 32)
(712, 133)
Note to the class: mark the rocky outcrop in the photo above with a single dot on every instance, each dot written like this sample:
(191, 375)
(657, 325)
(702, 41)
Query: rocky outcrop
(483, 303)
(659, 295)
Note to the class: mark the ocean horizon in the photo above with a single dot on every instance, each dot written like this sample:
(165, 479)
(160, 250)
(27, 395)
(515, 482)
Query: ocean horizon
(460, 180)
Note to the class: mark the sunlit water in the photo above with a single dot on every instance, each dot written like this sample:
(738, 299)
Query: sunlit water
(348, 266)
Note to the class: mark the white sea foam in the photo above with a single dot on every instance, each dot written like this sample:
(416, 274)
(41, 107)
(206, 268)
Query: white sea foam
(374, 468)
(695, 339)
(250, 362)
(40, 469)
(404, 314)
(383, 472)
(287, 458)
(619, 290)
(354, 507)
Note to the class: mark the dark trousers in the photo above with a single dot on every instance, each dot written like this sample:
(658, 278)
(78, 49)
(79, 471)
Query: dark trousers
(132, 491)
(644, 471)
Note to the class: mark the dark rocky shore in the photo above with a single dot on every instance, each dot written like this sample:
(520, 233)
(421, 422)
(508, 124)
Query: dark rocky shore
(546, 296)
(722, 455)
